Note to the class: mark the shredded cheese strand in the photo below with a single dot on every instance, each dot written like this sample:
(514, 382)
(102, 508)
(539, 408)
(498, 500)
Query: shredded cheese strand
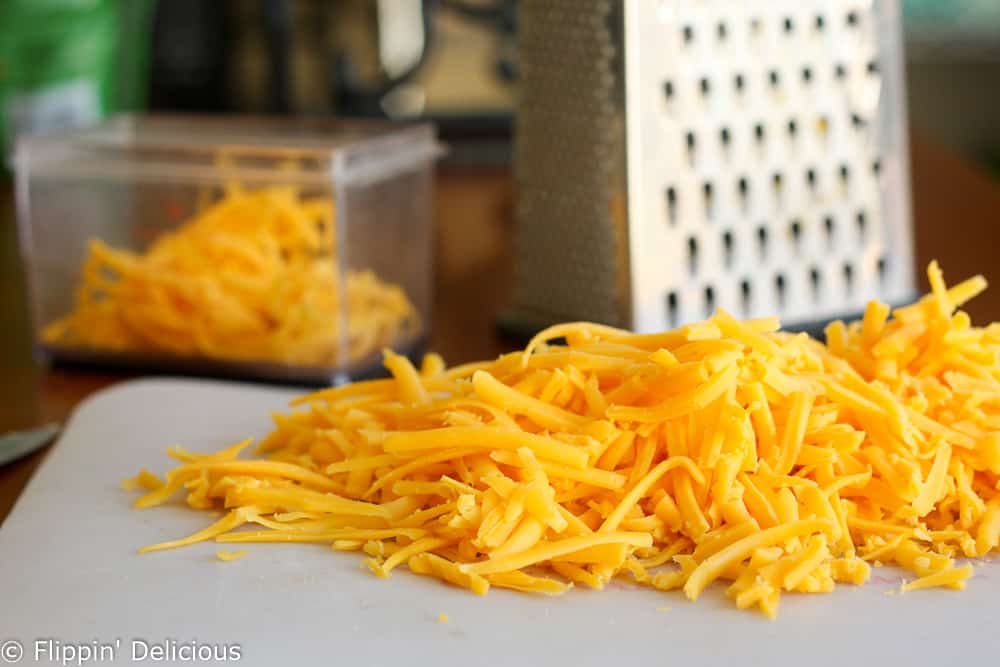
(251, 277)
(723, 450)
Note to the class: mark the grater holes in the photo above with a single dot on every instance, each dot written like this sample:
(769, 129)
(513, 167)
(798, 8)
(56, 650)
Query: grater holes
(848, 271)
(746, 296)
(861, 219)
(673, 309)
(758, 132)
(725, 136)
(755, 26)
(687, 33)
(708, 194)
(727, 248)
(807, 75)
(852, 19)
(762, 241)
(672, 205)
(857, 122)
(668, 90)
(788, 25)
(777, 181)
(795, 230)
(692, 255)
(828, 228)
(815, 281)
(705, 86)
(845, 173)
(739, 82)
(872, 67)
(709, 300)
(820, 22)
(780, 289)
(840, 71)
(722, 31)
(774, 78)
(743, 188)
(691, 142)
(876, 167)
(811, 178)
(882, 267)
(792, 127)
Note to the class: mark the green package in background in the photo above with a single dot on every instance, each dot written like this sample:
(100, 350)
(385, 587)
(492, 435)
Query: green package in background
(66, 63)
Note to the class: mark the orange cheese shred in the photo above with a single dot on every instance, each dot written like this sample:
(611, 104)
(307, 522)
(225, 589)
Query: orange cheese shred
(723, 450)
(250, 277)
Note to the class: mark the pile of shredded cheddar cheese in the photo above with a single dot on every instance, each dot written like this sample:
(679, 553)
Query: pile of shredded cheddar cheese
(253, 277)
(723, 450)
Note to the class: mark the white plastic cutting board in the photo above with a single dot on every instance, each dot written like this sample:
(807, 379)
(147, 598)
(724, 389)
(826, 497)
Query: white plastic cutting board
(69, 571)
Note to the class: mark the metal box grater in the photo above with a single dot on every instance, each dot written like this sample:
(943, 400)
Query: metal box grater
(674, 156)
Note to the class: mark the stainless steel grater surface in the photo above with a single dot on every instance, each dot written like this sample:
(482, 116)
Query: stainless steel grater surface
(675, 156)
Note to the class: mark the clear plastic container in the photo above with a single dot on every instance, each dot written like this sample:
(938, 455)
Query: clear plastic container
(258, 248)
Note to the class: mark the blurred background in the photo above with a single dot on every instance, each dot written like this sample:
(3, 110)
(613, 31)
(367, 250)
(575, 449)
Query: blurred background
(65, 62)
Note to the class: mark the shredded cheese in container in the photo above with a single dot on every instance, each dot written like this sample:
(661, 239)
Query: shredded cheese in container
(253, 277)
(720, 451)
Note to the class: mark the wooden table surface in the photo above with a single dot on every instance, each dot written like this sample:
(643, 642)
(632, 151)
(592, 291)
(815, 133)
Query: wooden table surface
(955, 215)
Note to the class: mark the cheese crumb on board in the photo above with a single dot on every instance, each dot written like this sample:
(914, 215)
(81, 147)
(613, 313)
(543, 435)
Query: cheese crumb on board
(719, 451)
(227, 556)
(443, 618)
